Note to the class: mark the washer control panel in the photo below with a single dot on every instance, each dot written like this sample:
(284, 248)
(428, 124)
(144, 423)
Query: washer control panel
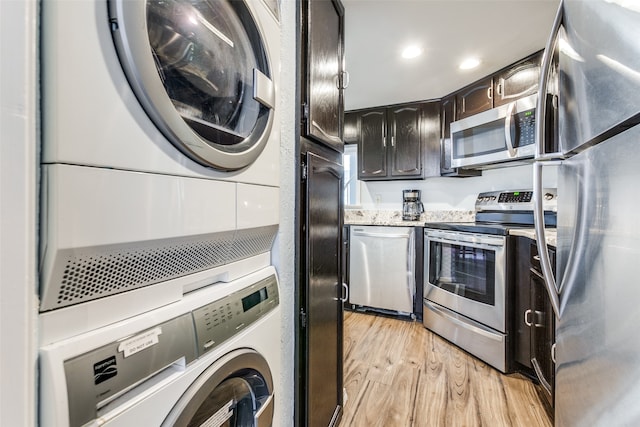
(222, 319)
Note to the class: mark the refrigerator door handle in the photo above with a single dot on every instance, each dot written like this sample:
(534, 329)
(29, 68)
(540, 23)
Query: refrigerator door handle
(542, 158)
(541, 241)
(543, 84)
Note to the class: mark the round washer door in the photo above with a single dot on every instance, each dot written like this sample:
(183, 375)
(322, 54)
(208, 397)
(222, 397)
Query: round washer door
(200, 71)
(235, 391)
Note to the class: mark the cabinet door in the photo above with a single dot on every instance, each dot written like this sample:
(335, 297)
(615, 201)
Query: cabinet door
(322, 340)
(517, 81)
(323, 66)
(474, 99)
(351, 128)
(522, 301)
(542, 335)
(447, 114)
(372, 145)
(405, 137)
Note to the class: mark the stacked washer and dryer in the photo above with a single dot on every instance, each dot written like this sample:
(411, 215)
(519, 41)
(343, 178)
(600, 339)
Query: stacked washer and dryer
(159, 208)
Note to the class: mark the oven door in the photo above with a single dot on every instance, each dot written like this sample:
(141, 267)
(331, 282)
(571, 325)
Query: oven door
(465, 272)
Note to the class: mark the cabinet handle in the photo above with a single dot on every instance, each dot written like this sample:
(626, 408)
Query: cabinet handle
(346, 292)
(553, 353)
(526, 318)
(500, 87)
(384, 141)
(344, 80)
(536, 257)
(539, 315)
(393, 141)
(490, 93)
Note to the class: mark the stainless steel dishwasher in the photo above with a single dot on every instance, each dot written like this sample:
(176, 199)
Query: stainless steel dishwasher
(382, 265)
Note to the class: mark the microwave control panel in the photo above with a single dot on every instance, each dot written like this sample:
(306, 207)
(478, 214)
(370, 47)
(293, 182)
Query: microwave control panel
(525, 128)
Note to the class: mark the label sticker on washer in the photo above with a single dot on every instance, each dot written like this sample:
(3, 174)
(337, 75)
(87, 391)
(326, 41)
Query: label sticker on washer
(139, 342)
(220, 417)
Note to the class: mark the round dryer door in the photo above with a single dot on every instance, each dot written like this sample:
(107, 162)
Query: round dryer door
(236, 391)
(201, 72)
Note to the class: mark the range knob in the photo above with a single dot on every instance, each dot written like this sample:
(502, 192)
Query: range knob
(548, 196)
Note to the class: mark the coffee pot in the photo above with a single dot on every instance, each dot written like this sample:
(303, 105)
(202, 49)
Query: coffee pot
(412, 207)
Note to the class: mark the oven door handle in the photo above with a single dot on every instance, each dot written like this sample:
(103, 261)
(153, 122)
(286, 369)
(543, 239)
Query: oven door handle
(451, 316)
(480, 242)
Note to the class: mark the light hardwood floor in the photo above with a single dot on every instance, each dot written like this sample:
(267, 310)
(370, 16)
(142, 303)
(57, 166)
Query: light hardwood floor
(397, 373)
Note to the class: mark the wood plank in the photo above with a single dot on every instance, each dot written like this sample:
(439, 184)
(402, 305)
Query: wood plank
(397, 373)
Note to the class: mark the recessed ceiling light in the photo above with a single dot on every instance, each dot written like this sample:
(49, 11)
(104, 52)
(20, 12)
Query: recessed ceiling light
(469, 63)
(411, 52)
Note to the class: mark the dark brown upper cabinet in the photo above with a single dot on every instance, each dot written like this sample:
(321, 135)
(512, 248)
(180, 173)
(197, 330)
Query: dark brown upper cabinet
(403, 130)
(323, 63)
(372, 144)
(507, 85)
(448, 115)
(399, 142)
(475, 98)
(351, 128)
(517, 81)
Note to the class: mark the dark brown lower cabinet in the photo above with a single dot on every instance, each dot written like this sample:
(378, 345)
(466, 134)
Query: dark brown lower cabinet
(534, 318)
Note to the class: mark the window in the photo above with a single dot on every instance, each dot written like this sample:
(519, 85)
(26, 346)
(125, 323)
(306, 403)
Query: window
(351, 183)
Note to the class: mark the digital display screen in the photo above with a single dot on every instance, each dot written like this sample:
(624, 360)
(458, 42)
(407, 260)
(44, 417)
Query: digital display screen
(528, 113)
(516, 193)
(254, 299)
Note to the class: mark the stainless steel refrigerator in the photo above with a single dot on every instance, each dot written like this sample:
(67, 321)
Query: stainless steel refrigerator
(593, 96)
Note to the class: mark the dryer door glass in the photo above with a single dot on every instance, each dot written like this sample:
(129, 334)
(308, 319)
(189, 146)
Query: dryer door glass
(200, 70)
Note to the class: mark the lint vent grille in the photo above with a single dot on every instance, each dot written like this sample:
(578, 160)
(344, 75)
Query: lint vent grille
(86, 274)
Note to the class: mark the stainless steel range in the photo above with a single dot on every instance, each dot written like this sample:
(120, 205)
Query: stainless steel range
(467, 284)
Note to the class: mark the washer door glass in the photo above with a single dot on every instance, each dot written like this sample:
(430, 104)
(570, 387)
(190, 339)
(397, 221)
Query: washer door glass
(200, 70)
(232, 404)
(235, 391)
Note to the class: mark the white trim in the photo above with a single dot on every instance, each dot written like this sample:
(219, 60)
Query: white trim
(18, 205)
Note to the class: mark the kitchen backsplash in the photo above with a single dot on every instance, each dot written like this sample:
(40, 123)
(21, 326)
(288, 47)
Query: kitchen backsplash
(450, 194)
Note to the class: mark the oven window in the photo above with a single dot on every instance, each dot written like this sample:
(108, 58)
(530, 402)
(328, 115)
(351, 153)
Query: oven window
(463, 270)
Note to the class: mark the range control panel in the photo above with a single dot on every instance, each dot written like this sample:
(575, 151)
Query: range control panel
(521, 200)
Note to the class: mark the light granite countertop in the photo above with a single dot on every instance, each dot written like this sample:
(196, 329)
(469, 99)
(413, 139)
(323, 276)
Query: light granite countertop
(394, 218)
(550, 234)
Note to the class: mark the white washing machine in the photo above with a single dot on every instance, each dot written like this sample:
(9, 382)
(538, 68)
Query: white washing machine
(211, 359)
(160, 152)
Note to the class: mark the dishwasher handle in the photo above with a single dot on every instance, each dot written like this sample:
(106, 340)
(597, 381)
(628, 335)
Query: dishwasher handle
(359, 232)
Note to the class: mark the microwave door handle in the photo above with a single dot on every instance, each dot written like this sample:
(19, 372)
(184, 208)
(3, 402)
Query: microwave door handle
(508, 123)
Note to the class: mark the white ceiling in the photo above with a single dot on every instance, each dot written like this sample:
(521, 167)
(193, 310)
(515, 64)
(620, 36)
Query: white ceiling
(498, 32)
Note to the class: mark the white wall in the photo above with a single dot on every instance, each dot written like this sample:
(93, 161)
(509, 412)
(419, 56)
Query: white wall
(18, 160)
(284, 250)
(451, 193)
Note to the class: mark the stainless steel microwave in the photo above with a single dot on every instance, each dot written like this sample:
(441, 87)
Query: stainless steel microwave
(495, 136)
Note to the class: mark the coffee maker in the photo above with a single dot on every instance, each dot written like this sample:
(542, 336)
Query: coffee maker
(412, 207)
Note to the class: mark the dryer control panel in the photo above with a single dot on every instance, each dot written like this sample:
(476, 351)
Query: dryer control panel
(221, 319)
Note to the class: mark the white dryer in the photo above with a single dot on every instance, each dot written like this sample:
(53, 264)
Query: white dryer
(210, 359)
(160, 152)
